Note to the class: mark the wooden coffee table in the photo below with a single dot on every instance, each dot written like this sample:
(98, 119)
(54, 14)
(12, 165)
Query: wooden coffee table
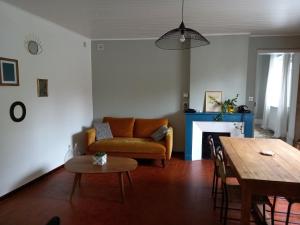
(84, 164)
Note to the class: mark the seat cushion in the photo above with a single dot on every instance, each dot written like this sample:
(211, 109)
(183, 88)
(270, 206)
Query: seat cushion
(128, 145)
(120, 127)
(144, 128)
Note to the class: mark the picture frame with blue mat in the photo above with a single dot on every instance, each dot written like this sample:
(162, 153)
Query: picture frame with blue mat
(9, 72)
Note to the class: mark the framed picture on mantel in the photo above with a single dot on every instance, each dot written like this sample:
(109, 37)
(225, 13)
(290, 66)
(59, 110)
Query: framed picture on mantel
(213, 101)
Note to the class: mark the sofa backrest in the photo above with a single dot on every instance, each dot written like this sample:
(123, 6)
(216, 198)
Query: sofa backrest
(120, 127)
(144, 128)
(130, 127)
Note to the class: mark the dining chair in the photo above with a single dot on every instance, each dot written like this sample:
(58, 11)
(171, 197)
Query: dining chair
(216, 176)
(233, 192)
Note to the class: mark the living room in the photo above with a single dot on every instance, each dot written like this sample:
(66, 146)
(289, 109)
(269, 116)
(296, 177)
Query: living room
(97, 68)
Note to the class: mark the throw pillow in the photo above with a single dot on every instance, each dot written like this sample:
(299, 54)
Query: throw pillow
(102, 131)
(160, 133)
(120, 127)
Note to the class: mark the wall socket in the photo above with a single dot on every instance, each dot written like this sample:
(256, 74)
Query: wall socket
(100, 47)
(250, 98)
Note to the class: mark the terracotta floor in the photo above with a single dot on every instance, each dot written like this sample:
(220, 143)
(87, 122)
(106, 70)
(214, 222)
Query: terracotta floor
(176, 195)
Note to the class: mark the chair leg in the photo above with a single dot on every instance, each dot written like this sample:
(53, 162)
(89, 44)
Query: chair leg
(222, 205)
(288, 213)
(272, 215)
(264, 212)
(213, 184)
(226, 209)
(216, 191)
(273, 211)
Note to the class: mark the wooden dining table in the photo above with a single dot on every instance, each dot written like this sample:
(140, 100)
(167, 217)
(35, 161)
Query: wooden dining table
(278, 174)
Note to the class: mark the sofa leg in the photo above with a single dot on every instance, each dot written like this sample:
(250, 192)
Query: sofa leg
(163, 163)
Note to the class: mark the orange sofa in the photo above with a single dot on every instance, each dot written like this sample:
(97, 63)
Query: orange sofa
(132, 138)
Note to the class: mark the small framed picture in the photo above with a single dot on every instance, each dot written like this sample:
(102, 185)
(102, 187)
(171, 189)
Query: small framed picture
(213, 101)
(42, 87)
(9, 72)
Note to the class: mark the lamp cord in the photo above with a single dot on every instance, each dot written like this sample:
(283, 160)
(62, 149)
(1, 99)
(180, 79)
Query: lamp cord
(182, 11)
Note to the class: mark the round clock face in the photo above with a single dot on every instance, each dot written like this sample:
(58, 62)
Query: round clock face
(33, 47)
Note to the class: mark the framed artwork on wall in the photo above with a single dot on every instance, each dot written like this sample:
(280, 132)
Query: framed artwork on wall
(9, 72)
(42, 87)
(213, 101)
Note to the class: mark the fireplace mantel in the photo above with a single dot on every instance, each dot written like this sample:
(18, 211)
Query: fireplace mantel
(245, 118)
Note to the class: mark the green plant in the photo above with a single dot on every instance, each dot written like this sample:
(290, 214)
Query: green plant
(100, 154)
(226, 104)
(229, 104)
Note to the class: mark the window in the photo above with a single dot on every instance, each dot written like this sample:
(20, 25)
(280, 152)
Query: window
(276, 77)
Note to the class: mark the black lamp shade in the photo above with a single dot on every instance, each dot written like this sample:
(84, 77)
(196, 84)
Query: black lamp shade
(171, 39)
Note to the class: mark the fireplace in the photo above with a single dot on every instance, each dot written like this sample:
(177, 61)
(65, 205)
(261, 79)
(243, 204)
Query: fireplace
(234, 129)
(206, 152)
(235, 124)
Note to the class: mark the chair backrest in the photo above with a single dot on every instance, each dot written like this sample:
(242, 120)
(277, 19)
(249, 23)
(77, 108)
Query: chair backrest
(212, 147)
(217, 150)
(221, 166)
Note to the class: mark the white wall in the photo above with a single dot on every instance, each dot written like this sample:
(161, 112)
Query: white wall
(135, 78)
(38, 144)
(220, 66)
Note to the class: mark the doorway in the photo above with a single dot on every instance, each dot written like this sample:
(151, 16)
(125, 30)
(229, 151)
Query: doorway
(277, 75)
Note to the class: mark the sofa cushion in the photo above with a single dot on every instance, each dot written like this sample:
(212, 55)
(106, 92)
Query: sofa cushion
(160, 133)
(120, 127)
(130, 145)
(144, 128)
(102, 131)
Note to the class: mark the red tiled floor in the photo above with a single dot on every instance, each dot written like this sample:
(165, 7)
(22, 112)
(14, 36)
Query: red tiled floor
(178, 194)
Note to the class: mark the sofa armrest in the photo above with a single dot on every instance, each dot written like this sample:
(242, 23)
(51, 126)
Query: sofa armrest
(90, 137)
(169, 143)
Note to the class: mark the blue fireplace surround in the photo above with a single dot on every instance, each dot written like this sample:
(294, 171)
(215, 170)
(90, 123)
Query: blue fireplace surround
(247, 118)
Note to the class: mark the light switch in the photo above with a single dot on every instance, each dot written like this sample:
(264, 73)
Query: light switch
(250, 99)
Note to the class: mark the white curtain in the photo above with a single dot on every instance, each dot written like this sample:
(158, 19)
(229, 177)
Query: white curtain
(277, 99)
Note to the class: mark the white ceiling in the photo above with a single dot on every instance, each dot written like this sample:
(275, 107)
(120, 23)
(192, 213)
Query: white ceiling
(125, 19)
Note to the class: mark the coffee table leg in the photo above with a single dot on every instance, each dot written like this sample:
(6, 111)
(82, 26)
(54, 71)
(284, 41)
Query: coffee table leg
(122, 185)
(129, 177)
(76, 180)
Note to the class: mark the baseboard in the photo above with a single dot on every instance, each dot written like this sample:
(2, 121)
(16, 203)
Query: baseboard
(7, 195)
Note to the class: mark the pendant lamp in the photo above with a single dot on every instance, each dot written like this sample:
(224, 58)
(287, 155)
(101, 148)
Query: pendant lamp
(181, 38)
